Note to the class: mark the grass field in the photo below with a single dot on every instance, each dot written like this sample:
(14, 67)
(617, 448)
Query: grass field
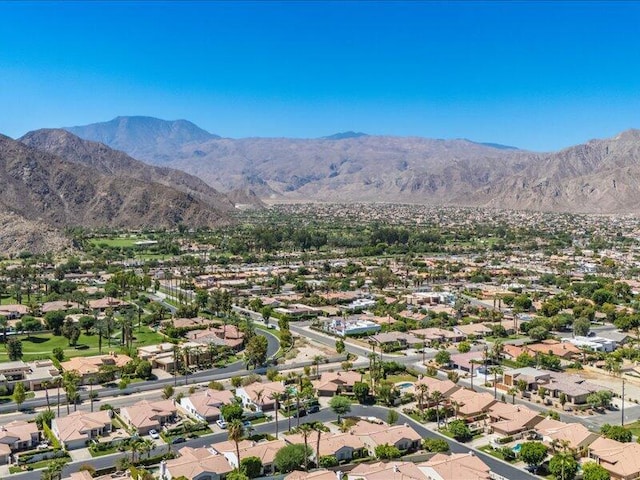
(117, 241)
(39, 346)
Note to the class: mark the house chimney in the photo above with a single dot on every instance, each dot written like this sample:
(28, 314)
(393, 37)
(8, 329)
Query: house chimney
(338, 475)
(395, 468)
(163, 470)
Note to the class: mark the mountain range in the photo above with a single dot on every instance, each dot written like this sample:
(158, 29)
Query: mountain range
(53, 180)
(600, 176)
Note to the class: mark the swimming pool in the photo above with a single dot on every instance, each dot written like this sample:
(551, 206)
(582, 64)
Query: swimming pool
(404, 385)
(516, 448)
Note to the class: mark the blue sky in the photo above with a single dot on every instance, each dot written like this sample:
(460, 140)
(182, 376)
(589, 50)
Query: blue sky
(538, 75)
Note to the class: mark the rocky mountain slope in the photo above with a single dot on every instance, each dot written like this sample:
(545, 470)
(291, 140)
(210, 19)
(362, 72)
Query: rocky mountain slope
(113, 162)
(601, 176)
(44, 188)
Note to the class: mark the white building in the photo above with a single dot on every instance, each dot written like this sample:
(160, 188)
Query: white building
(356, 326)
(597, 344)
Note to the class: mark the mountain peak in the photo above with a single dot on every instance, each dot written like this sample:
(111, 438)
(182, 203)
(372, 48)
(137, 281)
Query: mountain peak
(139, 135)
(344, 135)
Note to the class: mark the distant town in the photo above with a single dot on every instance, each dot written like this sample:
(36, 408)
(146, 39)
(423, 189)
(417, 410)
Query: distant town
(327, 341)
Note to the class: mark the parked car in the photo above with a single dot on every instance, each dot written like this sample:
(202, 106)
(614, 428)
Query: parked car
(221, 423)
(154, 434)
(178, 440)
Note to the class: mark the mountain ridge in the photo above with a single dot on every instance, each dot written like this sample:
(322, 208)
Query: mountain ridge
(599, 176)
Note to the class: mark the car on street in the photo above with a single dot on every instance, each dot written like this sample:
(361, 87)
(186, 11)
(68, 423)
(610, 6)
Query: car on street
(221, 423)
(178, 440)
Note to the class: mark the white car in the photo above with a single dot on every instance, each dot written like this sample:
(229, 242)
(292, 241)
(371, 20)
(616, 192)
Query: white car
(154, 434)
(221, 423)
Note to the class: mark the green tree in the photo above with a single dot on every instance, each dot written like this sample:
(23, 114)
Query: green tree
(167, 392)
(256, 351)
(443, 357)
(340, 346)
(58, 353)
(19, 394)
(435, 445)
(54, 321)
(234, 475)
(251, 466)
(459, 430)
(361, 391)
(340, 405)
(563, 466)
(232, 412)
(291, 457)
(581, 327)
(392, 417)
(464, 347)
(387, 452)
(14, 349)
(593, 471)
(143, 370)
(45, 418)
(616, 432)
(533, 453)
(328, 461)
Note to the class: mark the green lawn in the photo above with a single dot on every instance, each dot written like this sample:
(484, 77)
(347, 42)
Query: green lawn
(117, 241)
(41, 345)
(634, 427)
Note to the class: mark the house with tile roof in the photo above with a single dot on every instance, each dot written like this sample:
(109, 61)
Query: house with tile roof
(403, 437)
(87, 367)
(576, 435)
(196, 464)
(145, 416)
(205, 406)
(332, 383)
(511, 420)
(470, 404)
(76, 429)
(265, 451)
(16, 436)
(621, 460)
(343, 446)
(455, 466)
(257, 396)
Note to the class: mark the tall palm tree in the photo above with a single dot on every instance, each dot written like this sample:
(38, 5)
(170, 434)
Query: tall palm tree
(235, 434)
(287, 406)
(496, 370)
(45, 385)
(423, 392)
(436, 398)
(298, 396)
(305, 430)
(319, 427)
(512, 391)
(277, 398)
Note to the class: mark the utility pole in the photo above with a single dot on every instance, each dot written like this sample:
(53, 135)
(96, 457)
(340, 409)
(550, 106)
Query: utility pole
(622, 408)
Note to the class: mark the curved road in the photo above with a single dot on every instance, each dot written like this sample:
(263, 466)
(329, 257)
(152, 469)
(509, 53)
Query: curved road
(503, 469)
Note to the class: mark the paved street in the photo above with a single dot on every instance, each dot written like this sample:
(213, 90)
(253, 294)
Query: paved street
(325, 415)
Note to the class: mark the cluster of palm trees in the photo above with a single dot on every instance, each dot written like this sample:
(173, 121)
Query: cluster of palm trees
(435, 399)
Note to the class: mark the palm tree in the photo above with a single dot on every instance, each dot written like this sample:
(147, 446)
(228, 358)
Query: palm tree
(235, 434)
(146, 446)
(45, 385)
(319, 427)
(437, 397)
(298, 397)
(316, 362)
(277, 398)
(512, 391)
(497, 350)
(287, 406)
(305, 430)
(496, 370)
(423, 392)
